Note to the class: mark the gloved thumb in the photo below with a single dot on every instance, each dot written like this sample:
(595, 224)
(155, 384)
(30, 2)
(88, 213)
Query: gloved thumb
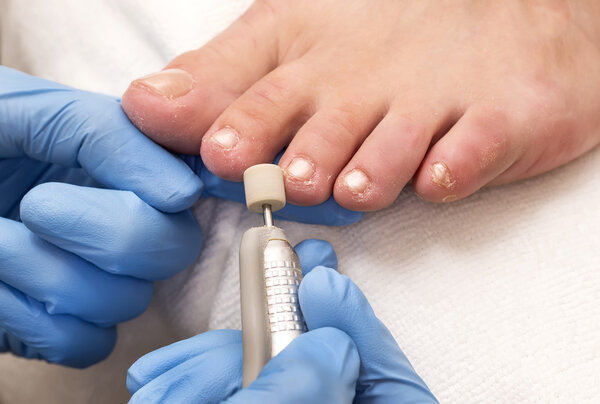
(329, 299)
(313, 253)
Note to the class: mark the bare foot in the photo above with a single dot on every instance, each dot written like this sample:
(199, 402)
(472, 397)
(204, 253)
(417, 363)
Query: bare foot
(367, 95)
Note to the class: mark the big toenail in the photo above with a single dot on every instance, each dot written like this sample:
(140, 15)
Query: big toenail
(170, 83)
(356, 181)
(301, 169)
(227, 138)
(441, 175)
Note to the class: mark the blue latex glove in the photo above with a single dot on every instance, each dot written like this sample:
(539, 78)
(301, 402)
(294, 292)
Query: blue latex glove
(327, 213)
(83, 258)
(51, 132)
(348, 355)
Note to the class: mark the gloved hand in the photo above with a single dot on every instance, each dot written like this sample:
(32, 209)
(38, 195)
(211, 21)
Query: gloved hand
(51, 132)
(347, 355)
(83, 258)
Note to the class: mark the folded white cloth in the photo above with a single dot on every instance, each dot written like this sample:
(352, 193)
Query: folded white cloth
(494, 298)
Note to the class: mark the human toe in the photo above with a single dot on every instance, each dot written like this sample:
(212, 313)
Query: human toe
(176, 106)
(481, 146)
(323, 146)
(259, 124)
(389, 157)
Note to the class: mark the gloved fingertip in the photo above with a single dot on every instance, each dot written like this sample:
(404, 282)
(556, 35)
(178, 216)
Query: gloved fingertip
(314, 252)
(328, 349)
(328, 298)
(180, 195)
(145, 369)
(100, 348)
(38, 204)
(44, 207)
(210, 376)
(337, 341)
(134, 382)
(156, 363)
(319, 282)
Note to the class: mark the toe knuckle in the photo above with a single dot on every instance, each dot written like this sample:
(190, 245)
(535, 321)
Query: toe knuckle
(273, 91)
(340, 126)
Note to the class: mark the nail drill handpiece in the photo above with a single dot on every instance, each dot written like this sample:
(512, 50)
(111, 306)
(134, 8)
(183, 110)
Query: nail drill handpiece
(270, 275)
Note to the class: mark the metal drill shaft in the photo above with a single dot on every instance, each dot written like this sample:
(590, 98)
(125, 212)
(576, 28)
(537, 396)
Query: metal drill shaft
(268, 214)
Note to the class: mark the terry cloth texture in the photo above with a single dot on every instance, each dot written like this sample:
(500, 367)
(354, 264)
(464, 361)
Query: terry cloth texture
(495, 299)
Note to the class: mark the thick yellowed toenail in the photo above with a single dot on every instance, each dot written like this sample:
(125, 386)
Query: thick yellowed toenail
(225, 138)
(357, 181)
(441, 175)
(301, 169)
(170, 83)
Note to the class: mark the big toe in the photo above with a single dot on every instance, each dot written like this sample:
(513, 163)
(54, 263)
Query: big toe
(177, 105)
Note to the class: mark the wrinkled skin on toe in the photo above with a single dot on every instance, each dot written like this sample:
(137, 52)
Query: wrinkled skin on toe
(368, 95)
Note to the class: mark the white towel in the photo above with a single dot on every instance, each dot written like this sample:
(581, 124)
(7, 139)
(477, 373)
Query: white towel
(494, 298)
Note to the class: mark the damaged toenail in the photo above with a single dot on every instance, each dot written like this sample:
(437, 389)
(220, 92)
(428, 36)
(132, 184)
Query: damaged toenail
(170, 83)
(301, 169)
(357, 181)
(226, 138)
(440, 175)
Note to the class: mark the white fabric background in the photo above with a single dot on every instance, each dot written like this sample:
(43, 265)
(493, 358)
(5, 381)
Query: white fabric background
(495, 299)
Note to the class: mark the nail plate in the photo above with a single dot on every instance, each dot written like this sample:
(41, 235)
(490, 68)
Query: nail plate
(170, 83)
(226, 138)
(357, 181)
(301, 169)
(441, 175)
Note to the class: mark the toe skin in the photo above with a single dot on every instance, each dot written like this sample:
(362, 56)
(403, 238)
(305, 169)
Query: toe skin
(177, 124)
(178, 116)
(388, 158)
(480, 147)
(323, 146)
(259, 124)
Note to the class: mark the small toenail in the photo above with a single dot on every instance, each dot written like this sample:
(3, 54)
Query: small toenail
(440, 175)
(449, 198)
(170, 83)
(301, 169)
(227, 138)
(356, 181)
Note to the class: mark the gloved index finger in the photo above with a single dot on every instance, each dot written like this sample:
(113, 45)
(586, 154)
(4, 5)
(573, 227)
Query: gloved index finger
(114, 230)
(50, 122)
(313, 253)
(156, 363)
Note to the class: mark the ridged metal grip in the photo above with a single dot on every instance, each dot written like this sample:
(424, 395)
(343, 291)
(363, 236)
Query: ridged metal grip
(282, 279)
(270, 275)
